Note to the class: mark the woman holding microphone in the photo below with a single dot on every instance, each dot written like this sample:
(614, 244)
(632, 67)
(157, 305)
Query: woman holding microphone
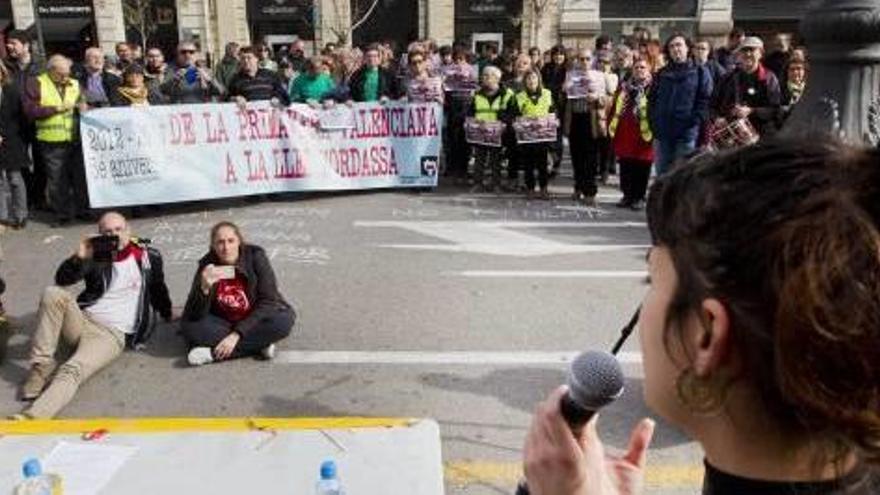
(758, 331)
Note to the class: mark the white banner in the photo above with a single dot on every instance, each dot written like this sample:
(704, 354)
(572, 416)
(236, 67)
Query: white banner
(163, 154)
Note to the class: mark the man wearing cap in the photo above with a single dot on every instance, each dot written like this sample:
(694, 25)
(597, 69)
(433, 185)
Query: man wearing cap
(751, 91)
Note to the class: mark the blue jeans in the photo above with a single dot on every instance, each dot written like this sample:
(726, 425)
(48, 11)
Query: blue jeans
(667, 151)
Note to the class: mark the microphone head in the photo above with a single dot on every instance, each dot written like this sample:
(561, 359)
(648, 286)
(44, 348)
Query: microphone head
(595, 380)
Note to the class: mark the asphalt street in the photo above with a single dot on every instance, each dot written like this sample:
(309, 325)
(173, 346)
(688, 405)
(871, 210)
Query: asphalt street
(455, 306)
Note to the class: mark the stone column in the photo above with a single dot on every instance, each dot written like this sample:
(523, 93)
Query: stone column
(543, 34)
(439, 20)
(579, 24)
(715, 20)
(232, 24)
(109, 24)
(333, 18)
(192, 22)
(843, 41)
(22, 13)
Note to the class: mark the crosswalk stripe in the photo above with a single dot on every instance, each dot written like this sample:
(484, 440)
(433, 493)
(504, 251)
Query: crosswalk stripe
(478, 358)
(604, 274)
(498, 224)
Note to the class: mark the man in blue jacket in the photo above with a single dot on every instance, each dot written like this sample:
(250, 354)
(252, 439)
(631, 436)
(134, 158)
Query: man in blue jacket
(679, 104)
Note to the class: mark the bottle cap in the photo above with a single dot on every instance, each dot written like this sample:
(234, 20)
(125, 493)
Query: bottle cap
(31, 468)
(328, 470)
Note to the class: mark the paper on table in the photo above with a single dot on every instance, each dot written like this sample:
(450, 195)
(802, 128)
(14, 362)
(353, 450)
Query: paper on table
(86, 468)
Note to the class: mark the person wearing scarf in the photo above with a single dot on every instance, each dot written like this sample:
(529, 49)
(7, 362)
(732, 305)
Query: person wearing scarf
(133, 92)
(631, 136)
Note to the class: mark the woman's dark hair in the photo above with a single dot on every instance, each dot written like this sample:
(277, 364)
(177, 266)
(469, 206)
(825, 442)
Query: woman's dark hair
(786, 234)
(459, 53)
(227, 224)
(687, 40)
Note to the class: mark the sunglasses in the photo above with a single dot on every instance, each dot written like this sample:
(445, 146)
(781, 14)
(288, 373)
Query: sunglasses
(584, 59)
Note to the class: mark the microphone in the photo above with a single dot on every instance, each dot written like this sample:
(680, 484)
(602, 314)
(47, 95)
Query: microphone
(595, 380)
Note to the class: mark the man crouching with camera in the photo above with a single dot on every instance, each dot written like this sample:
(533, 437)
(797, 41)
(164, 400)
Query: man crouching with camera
(124, 287)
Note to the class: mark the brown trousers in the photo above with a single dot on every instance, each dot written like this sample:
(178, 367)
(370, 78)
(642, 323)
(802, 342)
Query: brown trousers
(95, 346)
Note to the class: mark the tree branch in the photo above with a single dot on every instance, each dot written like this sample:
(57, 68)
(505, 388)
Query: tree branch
(366, 15)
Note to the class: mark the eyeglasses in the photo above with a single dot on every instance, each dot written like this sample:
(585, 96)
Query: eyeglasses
(584, 59)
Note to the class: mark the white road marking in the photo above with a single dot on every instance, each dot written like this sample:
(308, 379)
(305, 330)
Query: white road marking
(496, 238)
(512, 250)
(552, 274)
(499, 224)
(476, 358)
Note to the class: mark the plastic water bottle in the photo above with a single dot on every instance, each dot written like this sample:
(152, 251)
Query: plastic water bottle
(329, 483)
(37, 483)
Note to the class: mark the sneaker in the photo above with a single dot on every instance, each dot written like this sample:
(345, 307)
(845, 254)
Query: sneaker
(637, 205)
(200, 355)
(590, 202)
(268, 352)
(36, 381)
(624, 203)
(19, 417)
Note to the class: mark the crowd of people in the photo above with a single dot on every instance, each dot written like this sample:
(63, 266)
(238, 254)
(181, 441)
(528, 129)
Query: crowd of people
(623, 105)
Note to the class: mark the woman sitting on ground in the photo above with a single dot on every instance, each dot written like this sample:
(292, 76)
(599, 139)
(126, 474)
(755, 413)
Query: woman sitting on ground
(234, 308)
(759, 330)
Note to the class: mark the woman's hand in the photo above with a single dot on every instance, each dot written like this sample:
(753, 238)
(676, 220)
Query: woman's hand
(209, 278)
(558, 463)
(224, 349)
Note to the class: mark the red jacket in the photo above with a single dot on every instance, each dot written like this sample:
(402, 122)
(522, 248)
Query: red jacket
(628, 141)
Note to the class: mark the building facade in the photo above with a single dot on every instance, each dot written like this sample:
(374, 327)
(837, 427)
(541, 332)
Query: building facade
(70, 25)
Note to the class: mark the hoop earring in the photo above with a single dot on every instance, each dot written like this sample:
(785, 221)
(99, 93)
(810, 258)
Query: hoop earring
(702, 396)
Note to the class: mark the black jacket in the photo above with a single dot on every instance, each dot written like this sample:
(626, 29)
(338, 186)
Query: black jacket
(764, 97)
(110, 82)
(264, 86)
(262, 289)
(387, 84)
(97, 277)
(13, 130)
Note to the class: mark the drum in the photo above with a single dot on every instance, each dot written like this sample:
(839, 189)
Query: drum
(733, 134)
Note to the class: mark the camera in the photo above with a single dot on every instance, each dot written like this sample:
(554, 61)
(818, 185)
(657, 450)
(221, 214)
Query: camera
(104, 247)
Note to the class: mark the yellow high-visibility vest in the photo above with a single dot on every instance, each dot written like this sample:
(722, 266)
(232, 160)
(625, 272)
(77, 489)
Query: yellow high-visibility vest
(644, 124)
(58, 128)
(529, 108)
(487, 111)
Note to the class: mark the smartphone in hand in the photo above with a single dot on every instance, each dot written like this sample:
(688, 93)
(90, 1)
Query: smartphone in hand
(225, 272)
(104, 247)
